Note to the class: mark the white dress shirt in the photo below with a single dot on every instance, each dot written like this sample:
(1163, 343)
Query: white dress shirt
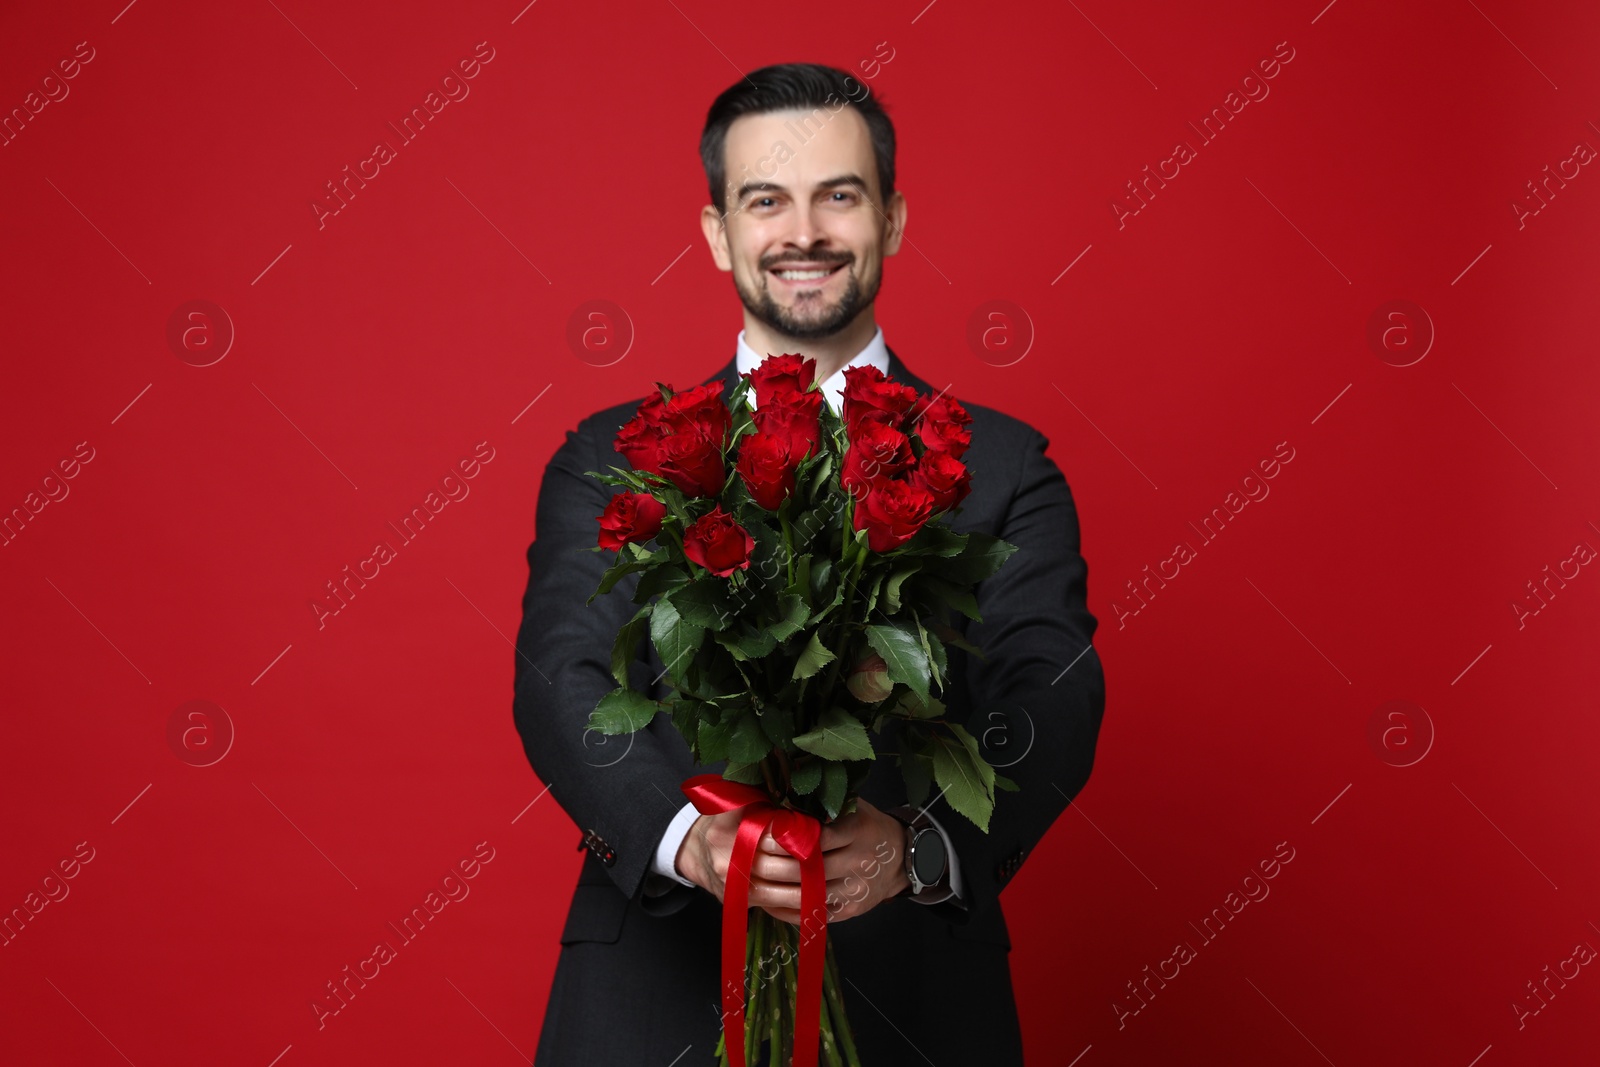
(665, 863)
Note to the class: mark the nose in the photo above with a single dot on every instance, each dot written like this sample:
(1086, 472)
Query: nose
(804, 233)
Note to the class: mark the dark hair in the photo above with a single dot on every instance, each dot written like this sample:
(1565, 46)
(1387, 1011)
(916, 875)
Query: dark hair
(807, 86)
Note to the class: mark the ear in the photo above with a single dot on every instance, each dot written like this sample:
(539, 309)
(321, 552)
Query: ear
(896, 215)
(715, 228)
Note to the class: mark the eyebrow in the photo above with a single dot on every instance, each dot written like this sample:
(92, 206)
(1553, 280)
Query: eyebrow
(774, 187)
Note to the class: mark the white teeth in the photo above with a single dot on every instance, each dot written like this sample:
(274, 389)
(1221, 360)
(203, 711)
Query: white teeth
(803, 275)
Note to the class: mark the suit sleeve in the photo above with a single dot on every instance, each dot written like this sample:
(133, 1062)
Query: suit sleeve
(1038, 697)
(623, 789)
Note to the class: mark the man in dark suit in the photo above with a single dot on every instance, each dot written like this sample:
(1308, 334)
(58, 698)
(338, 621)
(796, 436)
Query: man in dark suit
(925, 967)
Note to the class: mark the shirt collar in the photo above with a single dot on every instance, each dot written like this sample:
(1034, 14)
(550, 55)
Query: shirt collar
(876, 354)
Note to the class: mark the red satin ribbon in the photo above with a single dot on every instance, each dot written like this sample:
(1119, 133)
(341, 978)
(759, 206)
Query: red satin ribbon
(801, 835)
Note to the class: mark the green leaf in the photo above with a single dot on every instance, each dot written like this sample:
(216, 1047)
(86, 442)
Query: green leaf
(873, 584)
(961, 784)
(902, 653)
(622, 711)
(614, 574)
(891, 592)
(748, 773)
(626, 647)
(713, 739)
(911, 704)
(658, 582)
(821, 579)
(778, 724)
(802, 580)
(936, 539)
(820, 476)
(981, 765)
(793, 616)
(741, 389)
(626, 478)
(936, 656)
(805, 777)
(835, 781)
(812, 658)
(983, 556)
(687, 716)
(1002, 782)
(748, 743)
(735, 399)
(766, 558)
(942, 590)
(917, 770)
(747, 643)
(839, 735)
(704, 604)
(935, 663)
(675, 639)
(952, 637)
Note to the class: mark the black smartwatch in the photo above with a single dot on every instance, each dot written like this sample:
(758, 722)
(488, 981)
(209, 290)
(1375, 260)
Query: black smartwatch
(927, 865)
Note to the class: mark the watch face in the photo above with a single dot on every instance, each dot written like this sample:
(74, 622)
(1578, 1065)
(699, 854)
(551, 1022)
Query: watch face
(927, 858)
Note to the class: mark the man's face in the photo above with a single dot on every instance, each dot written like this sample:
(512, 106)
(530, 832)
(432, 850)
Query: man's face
(805, 233)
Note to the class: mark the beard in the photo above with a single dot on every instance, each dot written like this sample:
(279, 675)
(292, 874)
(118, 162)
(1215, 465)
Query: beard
(811, 317)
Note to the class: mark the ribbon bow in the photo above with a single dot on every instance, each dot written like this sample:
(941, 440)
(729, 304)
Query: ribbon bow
(801, 835)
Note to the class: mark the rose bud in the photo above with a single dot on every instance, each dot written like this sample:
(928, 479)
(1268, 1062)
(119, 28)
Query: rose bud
(869, 680)
(630, 518)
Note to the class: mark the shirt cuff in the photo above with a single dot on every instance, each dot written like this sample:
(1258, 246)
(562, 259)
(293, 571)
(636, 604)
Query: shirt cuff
(665, 862)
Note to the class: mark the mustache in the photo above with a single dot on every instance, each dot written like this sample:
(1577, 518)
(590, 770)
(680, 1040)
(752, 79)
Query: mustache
(777, 263)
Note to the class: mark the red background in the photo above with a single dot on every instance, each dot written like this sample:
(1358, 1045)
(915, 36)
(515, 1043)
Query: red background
(373, 353)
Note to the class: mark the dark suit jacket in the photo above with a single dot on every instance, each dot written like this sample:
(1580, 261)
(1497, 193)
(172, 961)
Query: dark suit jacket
(637, 979)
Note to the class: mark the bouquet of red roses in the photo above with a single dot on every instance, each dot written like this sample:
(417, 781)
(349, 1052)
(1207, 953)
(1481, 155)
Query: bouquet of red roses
(796, 580)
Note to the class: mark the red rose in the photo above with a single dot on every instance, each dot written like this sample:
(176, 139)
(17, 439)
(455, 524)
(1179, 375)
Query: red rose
(793, 417)
(766, 468)
(876, 452)
(718, 544)
(693, 463)
(784, 375)
(945, 478)
(702, 409)
(640, 437)
(630, 518)
(870, 395)
(892, 512)
(681, 438)
(942, 426)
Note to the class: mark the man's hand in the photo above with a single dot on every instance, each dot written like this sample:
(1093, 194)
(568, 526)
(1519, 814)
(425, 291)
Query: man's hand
(863, 860)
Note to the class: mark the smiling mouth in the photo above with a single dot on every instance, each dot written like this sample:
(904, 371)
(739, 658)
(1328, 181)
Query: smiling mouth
(805, 275)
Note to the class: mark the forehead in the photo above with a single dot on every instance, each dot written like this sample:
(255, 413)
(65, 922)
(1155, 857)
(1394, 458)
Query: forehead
(798, 148)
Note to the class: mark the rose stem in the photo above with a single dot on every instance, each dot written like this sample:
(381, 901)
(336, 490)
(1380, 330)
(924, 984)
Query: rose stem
(830, 987)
